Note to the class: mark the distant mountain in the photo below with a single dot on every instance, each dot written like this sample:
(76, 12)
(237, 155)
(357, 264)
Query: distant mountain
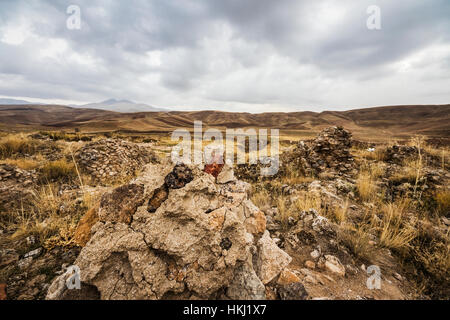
(4, 101)
(123, 106)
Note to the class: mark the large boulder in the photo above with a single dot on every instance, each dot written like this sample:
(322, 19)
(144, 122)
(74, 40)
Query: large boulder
(174, 232)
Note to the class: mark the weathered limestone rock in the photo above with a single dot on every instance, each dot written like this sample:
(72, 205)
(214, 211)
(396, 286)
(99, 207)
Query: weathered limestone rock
(198, 240)
(333, 264)
(271, 259)
(226, 175)
(246, 285)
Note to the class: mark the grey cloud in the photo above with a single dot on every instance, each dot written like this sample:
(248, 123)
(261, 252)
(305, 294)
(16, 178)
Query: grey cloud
(282, 53)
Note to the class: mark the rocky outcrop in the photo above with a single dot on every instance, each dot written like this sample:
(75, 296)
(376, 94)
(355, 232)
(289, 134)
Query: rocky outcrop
(175, 232)
(328, 153)
(110, 159)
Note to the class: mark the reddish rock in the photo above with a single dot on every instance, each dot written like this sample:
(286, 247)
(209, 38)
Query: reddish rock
(287, 277)
(214, 169)
(83, 231)
(120, 204)
(2, 291)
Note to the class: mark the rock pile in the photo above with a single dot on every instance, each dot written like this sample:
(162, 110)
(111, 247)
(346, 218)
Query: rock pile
(398, 153)
(178, 232)
(329, 152)
(111, 159)
(15, 186)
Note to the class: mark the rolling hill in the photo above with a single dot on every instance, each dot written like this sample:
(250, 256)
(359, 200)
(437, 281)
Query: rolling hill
(398, 121)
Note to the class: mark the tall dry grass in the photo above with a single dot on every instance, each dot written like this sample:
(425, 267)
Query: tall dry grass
(396, 231)
(16, 144)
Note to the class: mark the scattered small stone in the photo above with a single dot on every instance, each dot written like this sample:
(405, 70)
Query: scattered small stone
(293, 291)
(398, 276)
(351, 269)
(315, 254)
(31, 240)
(33, 254)
(310, 265)
(333, 264)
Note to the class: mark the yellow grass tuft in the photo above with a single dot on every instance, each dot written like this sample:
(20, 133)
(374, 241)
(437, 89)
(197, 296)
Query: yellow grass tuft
(396, 232)
(366, 187)
(309, 200)
(25, 164)
(12, 145)
(58, 170)
(443, 201)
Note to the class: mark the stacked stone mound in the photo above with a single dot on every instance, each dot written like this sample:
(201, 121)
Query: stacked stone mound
(15, 187)
(112, 159)
(177, 232)
(397, 153)
(329, 152)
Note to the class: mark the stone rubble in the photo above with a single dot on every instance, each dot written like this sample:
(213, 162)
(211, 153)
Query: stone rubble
(329, 152)
(110, 159)
(15, 187)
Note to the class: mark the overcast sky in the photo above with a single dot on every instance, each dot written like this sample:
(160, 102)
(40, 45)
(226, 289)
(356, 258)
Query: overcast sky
(233, 55)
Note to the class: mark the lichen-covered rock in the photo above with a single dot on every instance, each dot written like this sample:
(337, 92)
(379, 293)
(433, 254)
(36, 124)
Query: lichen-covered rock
(246, 285)
(293, 291)
(199, 240)
(120, 204)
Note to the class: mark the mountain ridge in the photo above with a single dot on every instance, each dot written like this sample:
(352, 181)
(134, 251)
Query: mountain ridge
(433, 120)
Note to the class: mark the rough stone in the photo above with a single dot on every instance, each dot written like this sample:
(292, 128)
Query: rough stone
(120, 204)
(333, 264)
(112, 159)
(199, 242)
(293, 291)
(83, 231)
(271, 259)
(287, 277)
